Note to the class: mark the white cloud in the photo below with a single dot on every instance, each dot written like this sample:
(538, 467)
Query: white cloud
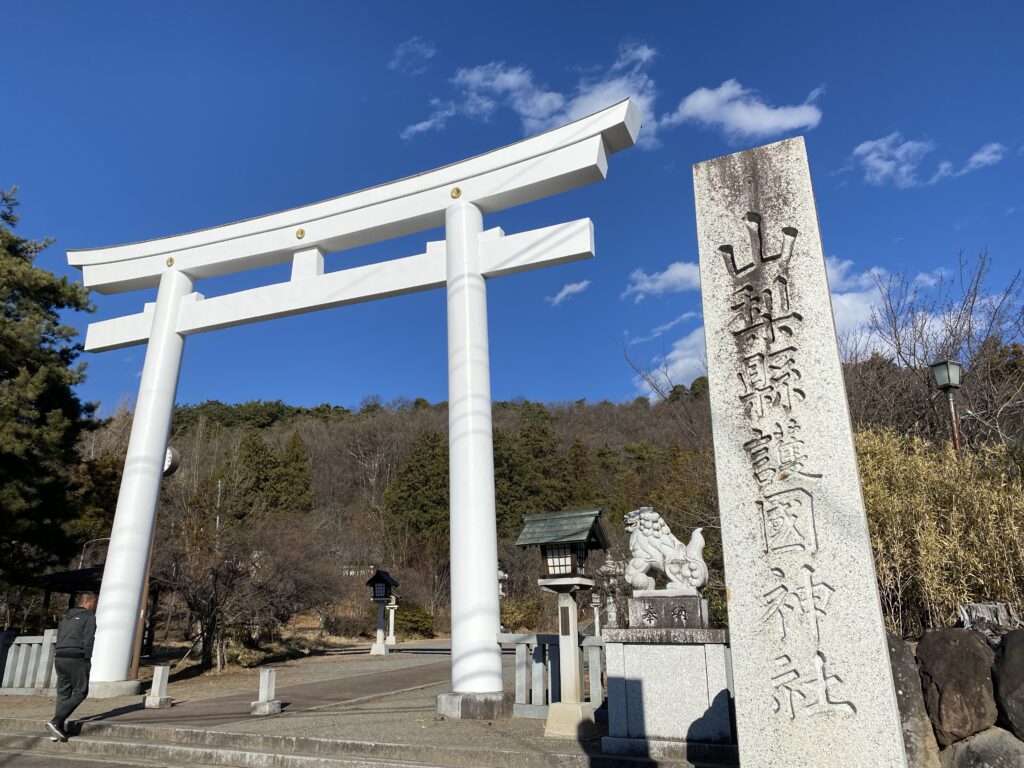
(841, 275)
(891, 160)
(988, 154)
(854, 293)
(663, 328)
(632, 55)
(570, 289)
(485, 88)
(852, 309)
(741, 112)
(487, 85)
(435, 122)
(411, 57)
(684, 363)
(930, 279)
(678, 276)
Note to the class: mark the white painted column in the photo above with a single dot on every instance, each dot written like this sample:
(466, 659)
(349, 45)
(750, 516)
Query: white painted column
(392, 610)
(476, 655)
(124, 575)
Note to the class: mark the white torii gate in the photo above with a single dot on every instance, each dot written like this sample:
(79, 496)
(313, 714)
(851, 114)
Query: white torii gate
(456, 196)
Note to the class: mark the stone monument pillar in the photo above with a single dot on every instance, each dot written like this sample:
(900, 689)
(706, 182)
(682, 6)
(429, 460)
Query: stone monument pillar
(810, 663)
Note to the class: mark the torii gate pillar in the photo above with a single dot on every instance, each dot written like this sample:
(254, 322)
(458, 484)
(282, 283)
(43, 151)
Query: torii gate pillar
(127, 567)
(476, 655)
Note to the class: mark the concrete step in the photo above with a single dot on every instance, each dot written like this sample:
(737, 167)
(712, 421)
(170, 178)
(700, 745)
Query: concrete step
(14, 758)
(191, 747)
(170, 754)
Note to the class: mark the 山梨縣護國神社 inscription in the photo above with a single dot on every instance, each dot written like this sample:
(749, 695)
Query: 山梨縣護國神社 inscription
(810, 663)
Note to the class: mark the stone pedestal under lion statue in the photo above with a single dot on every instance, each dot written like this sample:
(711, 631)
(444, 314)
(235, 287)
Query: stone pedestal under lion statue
(669, 673)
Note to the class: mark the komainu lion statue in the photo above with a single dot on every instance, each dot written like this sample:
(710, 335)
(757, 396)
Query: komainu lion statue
(654, 548)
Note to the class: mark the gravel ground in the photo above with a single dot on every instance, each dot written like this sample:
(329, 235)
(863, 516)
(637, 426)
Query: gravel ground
(408, 718)
(231, 681)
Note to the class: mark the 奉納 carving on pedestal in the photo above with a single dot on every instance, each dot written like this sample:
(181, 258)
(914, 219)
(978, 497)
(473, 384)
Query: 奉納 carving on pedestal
(669, 672)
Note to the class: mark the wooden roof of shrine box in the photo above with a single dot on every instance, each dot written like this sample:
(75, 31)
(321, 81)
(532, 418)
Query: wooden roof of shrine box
(565, 539)
(570, 526)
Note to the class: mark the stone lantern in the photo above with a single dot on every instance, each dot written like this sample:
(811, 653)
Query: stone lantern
(565, 539)
(382, 586)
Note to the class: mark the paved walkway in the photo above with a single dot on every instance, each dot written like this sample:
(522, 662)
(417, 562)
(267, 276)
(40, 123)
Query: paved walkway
(294, 698)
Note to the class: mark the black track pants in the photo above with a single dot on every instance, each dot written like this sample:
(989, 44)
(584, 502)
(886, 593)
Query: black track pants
(72, 687)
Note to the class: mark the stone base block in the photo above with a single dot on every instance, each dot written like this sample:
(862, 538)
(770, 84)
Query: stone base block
(111, 690)
(390, 641)
(668, 692)
(378, 649)
(263, 708)
(669, 749)
(570, 721)
(157, 702)
(475, 706)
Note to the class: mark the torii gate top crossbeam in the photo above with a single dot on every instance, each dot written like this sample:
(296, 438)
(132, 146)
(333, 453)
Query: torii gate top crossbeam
(537, 167)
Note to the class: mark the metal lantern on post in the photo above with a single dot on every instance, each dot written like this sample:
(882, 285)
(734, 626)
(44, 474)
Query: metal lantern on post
(946, 375)
(381, 585)
(565, 539)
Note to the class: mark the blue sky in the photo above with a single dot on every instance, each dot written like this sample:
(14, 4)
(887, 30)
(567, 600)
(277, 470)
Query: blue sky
(127, 121)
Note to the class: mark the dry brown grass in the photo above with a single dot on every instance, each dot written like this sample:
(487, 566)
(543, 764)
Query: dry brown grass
(944, 531)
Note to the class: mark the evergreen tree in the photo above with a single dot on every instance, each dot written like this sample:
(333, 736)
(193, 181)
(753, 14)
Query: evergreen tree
(95, 496)
(418, 496)
(250, 490)
(294, 489)
(582, 489)
(699, 388)
(530, 474)
(41, 417)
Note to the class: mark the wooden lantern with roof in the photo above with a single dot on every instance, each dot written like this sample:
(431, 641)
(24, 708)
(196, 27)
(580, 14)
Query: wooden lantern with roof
(565, 539)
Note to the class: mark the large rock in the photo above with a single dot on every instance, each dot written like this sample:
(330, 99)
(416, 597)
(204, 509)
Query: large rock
(918, 738)
(994, 748)
(1008, 675)
(956, 676)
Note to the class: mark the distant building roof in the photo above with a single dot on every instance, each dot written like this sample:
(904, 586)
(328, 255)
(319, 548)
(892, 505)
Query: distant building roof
(570, 526)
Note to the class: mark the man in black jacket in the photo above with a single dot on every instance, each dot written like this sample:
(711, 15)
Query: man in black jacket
(73, 659)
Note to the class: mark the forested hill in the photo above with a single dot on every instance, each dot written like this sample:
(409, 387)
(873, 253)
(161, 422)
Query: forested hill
(320, 491)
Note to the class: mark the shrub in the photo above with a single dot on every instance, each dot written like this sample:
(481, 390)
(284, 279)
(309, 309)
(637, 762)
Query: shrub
(945, 531)
(412, 619)
(524, 613)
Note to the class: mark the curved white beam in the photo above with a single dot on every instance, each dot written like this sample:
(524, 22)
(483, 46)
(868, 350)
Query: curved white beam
(537, 167)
